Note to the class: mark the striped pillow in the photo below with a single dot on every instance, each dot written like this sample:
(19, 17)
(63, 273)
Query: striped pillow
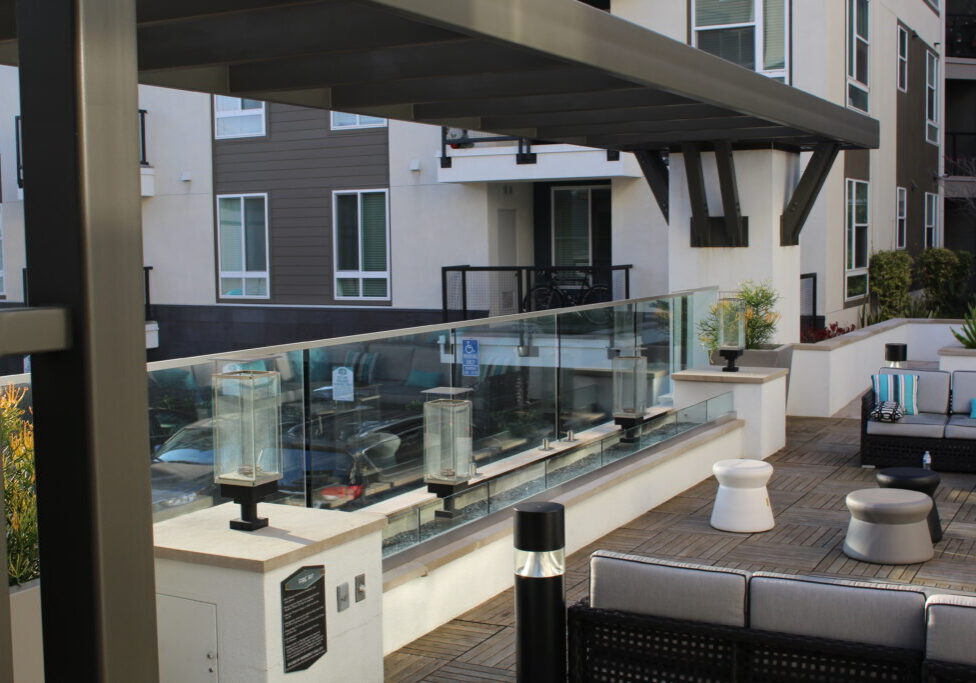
(902, 389)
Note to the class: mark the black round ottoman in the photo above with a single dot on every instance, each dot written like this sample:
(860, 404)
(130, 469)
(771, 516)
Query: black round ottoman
(915, 479)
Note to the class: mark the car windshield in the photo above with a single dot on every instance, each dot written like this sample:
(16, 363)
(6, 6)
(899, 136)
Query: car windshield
(188, 445)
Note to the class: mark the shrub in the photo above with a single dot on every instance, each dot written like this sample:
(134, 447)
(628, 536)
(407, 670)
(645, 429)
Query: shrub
(944, 275)
(761, 319)
(20, 503)
(967, 333)
(890, 274)
(832, 330)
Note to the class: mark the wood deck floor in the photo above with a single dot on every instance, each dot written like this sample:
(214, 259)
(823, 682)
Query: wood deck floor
(813, 474)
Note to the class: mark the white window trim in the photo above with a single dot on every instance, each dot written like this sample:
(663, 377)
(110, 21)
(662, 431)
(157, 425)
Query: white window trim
(360, 274)
(244, 274)
(931, 123)
(851, 65)
(901, 217)
(357, 126)
(934, 226)
(236, 113)
(589, 218)
(902, 59)
(850, 225)
(758, 40)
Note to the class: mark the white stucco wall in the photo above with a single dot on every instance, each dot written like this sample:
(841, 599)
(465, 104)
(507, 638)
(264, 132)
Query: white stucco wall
(640, 237)
(11, 199)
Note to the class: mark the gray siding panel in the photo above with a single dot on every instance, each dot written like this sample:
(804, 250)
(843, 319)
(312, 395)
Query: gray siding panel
(299, 163)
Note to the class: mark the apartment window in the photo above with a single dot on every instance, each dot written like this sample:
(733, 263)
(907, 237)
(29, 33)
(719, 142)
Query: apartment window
(243, 237)
(931, 220)
(902, 59)
(362, 244)
(931, 98)
(856, 270)
(750, 33)
(901, 217)
(3, 282)
(858, 46)
(344, 121)
(237, 117)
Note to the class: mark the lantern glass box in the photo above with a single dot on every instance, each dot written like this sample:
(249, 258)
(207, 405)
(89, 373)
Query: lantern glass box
(247, 427)
(629, 386)
(731, 323)
(448, 454)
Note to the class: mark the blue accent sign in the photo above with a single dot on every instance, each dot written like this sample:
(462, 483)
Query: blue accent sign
(470, 365)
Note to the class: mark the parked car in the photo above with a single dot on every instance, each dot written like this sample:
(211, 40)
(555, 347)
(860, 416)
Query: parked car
(342, 464)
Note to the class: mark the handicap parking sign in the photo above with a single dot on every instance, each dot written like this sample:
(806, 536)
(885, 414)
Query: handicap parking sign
(470, 365)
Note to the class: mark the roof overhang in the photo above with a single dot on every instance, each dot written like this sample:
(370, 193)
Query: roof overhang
(555, 70)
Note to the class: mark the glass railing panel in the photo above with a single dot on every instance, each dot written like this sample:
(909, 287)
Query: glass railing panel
(508, 371)
(453, 511)
(719, 406)
(691, 417)
(653, 323)
(566, 466)
(517, 485)
(401, 532)
(658, 429)
(700, 306)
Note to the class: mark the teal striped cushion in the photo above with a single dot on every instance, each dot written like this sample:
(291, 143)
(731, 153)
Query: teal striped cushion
(902, 389)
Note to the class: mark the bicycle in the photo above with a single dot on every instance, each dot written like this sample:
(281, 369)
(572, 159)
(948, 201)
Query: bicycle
(555, 294)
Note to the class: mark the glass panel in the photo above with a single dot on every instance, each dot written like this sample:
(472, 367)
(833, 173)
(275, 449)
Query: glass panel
(860, 202)
(857, 285)
(375, 287)
(691, 417)
(231, 286)
(401, 532)
(774, 34)
(862, 19)
(341, 119)
(255, 286)
(861, 72)
(374, 231)
(515, 486)
(371, 121)
(254, 234)
(718, 12)
(737, 45)
(719, 405)
(228, 126)
(571, 227)
(224, 103)
(857, 97)
(564, 467)
(347, 232)
(347, 286)
(231, 238)
(251, 104)
(654, 329)
(453, 511)
(851, 37)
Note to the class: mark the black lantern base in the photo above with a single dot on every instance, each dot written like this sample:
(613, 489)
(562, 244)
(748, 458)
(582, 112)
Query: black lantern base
(248, 498)
(730, 356)
(627, 426)
(446, 491)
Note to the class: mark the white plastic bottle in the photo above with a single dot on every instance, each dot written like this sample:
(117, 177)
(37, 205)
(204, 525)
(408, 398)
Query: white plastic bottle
(927, 461)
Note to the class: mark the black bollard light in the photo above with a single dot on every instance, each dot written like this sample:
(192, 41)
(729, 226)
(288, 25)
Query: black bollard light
(896, 355)
(540, 592)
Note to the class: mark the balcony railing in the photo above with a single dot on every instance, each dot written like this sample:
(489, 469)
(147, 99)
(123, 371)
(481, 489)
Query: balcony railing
(460, 138)
(148, 307)
(960, 154)
(961, 35)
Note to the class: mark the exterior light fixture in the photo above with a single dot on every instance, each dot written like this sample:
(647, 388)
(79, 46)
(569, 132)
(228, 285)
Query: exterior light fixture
(896, 355)
(247, 439)
(629, 393)
(731, 330)
(448, 452)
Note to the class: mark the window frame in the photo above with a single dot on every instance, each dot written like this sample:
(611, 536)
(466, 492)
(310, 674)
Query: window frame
(932, 128)
(901, 217)
(759, 34)
(244, 274)
(589, 220)
(852, 64)
(357, 125)
(360, 274)
(238, 113)
(930, 229)
(901, 72)
(850, 238)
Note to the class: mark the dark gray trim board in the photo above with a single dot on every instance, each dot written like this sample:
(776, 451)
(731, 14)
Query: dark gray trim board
(198, 330)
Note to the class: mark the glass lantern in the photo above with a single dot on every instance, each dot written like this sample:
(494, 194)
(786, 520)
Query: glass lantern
(247, 427)
(731, 323)
(448, 453)
(629, 387)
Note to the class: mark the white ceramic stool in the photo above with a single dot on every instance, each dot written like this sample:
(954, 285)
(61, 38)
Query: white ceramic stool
(742, 502)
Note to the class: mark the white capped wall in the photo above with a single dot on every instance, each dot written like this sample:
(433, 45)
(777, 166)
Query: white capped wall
(640, 236)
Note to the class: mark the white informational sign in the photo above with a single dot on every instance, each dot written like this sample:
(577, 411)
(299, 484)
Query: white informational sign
(343, 384)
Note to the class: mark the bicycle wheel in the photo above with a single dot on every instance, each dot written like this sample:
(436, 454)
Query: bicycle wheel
(597, 294)
(542, 298)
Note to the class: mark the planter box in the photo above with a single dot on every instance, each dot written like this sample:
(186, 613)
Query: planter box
(956, 357)
(25, 615)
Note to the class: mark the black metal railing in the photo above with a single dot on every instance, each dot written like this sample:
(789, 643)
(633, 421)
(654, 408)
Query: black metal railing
(19, 149)
(150, 311)
(469, 292)
(961, 35)
(460, 138)
(960, 154)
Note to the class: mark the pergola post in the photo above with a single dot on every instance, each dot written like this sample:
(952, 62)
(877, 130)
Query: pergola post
(84, 253)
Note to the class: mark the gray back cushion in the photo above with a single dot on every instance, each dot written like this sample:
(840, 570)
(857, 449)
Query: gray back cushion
(963, 390)
(950, 628)
(843, 610)
(659, 588)
(933, 388)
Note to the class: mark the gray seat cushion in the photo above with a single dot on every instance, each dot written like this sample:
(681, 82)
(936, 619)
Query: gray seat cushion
(933, 388)
(877, 614)
(930, 425)
(675, 590)
(950, 622)
(393, 362)
(963, 391)
(960, 427)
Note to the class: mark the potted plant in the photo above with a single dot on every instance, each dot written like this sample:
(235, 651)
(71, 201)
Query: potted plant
(761, 319)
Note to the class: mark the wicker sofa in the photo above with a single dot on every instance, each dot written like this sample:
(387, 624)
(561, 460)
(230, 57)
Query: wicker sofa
(942, 427)
(649, 619)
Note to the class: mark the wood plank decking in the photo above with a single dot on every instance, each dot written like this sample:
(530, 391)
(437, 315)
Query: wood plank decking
(812, 476)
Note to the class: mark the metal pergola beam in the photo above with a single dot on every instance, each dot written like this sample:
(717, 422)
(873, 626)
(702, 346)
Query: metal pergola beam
(730, 193)
(660, 112)
(806, 192)
(84, 253)
(700, 232)
(648, 128)
(658, 178)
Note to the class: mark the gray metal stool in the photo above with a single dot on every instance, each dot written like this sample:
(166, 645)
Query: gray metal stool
(888, 526)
